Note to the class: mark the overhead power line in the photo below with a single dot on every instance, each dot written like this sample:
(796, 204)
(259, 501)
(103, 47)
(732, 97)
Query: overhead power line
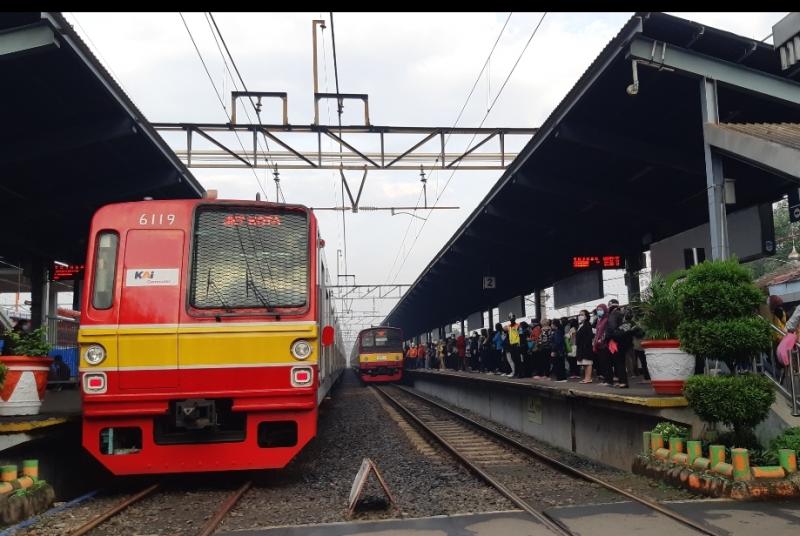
(219, 97)
(500, 92)
(241, 79)
(455, 123)
(339, 115)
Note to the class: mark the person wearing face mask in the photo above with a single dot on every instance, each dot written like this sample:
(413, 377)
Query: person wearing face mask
(600, 346)
(616, 333)
(583, 342)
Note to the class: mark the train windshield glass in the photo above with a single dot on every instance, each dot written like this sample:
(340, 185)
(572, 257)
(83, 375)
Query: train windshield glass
(249, 258)
(382, 340)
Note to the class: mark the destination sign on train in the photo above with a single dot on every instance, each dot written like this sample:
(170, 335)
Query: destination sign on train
(598, 261)
(252, 220)
(67, 272)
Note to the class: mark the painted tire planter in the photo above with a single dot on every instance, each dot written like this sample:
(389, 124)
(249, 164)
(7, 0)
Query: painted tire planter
(25, 385)
(669, 366)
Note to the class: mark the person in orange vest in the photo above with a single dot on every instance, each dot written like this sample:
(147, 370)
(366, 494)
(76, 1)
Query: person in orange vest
(412, 356)
(420, 356)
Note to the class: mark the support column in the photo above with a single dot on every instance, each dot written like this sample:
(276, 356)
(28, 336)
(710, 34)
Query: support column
(537, 304)
(38, 295)
(715, 181)
(77, 293)
(491, 318)
(632, 278)
(462, 328)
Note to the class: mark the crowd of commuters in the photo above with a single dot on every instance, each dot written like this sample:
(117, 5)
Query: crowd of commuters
(605, 343)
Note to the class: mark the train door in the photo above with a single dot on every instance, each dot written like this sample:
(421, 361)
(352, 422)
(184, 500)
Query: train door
(148, 320)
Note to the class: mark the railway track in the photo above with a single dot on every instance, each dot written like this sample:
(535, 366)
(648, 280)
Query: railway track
(206, 530)
(503, 462)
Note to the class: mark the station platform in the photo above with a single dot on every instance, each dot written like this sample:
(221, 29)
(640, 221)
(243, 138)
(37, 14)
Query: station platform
(60, 408)
(638, 394)
(600, 422)
(724, 517)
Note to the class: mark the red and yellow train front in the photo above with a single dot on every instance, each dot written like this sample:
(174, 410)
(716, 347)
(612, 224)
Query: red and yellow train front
(380, 354)
(199, 338)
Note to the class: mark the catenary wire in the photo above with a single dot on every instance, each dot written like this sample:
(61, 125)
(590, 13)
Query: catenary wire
(500, 91)
(224, 109)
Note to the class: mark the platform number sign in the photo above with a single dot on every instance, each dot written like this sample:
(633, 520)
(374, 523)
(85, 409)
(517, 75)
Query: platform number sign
(489, 282)
(794, 205)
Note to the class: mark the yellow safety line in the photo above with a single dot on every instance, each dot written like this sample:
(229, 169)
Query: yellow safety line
(30, 425)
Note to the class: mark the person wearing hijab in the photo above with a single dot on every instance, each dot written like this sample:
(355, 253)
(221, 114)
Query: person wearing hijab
(600, 346)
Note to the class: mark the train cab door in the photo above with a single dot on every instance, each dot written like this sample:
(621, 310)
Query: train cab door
(149, 308)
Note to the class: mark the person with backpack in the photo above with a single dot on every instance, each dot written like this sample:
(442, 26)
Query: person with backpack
(499, 341)
(616, 342)
(513, 350)
(544, 347)
(570, 341)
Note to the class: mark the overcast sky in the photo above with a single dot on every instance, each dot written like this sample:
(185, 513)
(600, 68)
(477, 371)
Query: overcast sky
(417, 70)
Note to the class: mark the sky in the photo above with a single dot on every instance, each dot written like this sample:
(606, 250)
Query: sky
(417, 69)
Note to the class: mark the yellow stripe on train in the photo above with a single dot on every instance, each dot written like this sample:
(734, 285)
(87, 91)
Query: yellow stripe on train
(198, 345)
(379, 357)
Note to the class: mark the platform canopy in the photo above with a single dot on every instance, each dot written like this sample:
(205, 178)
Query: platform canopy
(610, 172)
(71, 142)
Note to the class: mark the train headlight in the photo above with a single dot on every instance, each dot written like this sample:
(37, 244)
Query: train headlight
(95, 354)
(301, 349)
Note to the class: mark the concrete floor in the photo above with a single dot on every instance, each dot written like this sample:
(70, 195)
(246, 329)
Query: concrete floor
(723, 517)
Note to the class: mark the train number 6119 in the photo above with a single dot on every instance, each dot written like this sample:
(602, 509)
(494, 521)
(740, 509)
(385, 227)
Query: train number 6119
(156, 219)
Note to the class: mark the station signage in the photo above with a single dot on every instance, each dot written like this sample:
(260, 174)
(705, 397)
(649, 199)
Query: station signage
(68, 272)
(609, 262)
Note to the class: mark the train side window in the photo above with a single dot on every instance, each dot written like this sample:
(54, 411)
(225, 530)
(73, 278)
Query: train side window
(105, 267)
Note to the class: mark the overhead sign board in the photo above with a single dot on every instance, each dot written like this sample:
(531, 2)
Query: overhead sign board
(67, 272)
(489, 282)
(608, 262)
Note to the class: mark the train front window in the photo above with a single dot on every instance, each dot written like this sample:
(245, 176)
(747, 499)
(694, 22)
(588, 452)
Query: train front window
(381, 340)
(249, 258)
(105, 266)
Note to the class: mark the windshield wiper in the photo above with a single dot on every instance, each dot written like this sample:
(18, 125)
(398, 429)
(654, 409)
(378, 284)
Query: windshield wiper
(248, 280)
(209, 284)
(249, 283)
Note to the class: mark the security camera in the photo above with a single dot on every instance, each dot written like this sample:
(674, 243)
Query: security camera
(633, 89)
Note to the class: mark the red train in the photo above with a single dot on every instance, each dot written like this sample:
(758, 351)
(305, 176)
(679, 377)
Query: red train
(207, 335)
(378, 354)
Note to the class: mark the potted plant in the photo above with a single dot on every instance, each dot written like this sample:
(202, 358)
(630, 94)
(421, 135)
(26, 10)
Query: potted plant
(25, 358)
(660, 314)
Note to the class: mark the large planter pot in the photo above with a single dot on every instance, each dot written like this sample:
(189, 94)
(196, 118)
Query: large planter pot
(669, 366)
(25, 385)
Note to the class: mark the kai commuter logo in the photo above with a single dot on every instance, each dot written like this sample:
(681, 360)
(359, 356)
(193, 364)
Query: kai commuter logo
(152, 277)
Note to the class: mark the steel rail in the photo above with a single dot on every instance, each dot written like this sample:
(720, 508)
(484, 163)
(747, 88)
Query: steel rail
(226, 507)
(566, 468)
(552, 524)
(108, 514)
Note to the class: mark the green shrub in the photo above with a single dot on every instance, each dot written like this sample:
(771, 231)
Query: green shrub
(718, 302)
(788, 439)
(33, 344)
(732, 341)
(670, 429)
(740, 402)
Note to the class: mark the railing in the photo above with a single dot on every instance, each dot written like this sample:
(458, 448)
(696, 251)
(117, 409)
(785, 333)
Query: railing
(786, 379)
(62, 335)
